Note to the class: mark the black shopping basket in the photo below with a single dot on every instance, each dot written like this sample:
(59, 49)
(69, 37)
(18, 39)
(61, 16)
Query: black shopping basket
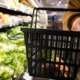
(50, 52)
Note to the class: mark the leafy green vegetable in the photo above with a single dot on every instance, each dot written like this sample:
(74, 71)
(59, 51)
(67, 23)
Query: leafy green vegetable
(12, 54)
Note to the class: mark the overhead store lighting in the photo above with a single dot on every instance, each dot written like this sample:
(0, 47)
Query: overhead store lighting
(66, 5)
(60, 2)
(57, 4)
(26, 2)
(54, 3)
(33, 3)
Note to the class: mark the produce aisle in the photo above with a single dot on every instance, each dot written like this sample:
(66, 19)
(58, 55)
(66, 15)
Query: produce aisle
(13, 16)
(13, 61)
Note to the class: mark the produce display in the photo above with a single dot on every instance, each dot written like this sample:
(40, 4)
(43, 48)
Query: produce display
(11, 20)
(13, 61)
(15, 5)
(12, 54)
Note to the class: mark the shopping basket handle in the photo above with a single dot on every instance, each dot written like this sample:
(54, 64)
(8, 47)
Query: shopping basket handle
(57, 9)
(50, 9)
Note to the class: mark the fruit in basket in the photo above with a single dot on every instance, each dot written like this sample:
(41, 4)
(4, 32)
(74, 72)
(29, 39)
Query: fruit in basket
(62, 66)
(46, 54)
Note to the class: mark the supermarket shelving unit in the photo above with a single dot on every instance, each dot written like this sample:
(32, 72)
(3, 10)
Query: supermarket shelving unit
(13, 12)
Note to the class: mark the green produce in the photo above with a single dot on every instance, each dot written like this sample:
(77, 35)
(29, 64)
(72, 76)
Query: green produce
(12, 54)
(46, 54)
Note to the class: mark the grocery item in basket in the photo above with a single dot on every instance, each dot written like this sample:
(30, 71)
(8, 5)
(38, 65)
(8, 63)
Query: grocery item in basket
(62, 67)
(52, 58)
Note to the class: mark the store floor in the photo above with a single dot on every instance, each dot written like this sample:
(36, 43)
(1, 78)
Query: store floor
(42, 79)
(28, 77)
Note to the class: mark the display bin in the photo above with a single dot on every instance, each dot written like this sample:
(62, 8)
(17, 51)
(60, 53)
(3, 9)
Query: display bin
(52, 53)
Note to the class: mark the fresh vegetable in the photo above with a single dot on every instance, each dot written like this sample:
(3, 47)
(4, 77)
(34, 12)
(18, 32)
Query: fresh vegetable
(12, 54)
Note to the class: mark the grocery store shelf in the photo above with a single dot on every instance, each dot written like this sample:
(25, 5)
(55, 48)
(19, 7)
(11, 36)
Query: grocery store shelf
(13, 12)
(4, 28)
